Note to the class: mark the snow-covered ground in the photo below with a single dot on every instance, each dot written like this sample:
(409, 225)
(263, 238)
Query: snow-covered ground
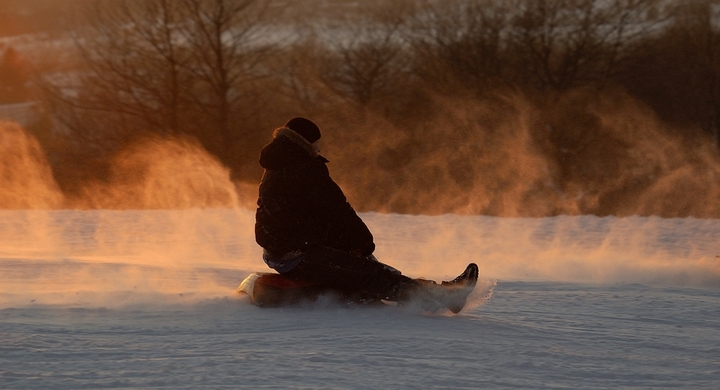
(145, 299)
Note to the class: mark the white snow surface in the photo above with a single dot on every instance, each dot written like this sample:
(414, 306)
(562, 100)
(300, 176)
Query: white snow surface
(146, 299)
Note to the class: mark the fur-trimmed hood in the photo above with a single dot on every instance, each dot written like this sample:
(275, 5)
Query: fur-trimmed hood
(286, 147)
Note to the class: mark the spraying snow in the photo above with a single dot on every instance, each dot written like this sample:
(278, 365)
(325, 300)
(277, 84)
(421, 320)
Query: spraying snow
(145, 298)
(108, 258)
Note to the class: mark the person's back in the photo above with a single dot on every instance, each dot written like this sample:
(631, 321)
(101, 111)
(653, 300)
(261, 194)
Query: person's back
(284, 217)
(299, 205)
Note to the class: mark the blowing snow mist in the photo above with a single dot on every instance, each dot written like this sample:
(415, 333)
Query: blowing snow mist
(165, 224)
(574, 153)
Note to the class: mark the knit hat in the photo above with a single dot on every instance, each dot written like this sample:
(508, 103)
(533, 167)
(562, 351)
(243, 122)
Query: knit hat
(304, 127)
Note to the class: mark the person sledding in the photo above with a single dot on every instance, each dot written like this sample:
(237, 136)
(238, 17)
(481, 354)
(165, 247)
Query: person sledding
(310, 233)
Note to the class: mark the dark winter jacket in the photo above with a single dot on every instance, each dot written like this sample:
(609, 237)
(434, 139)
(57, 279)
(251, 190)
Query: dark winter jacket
(300, 206)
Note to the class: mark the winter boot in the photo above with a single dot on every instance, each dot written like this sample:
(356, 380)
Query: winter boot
(453, 294)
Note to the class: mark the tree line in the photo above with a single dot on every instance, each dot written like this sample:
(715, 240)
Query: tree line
(515, 108)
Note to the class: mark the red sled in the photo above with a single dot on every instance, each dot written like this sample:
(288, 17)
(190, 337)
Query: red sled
(275, 290)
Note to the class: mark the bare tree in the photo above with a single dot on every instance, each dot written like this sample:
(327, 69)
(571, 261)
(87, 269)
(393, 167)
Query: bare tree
(164, 66)
(460, 43)
(367, 59)
(227, 46)
(133, 69)
(564, 43)
(699, 44)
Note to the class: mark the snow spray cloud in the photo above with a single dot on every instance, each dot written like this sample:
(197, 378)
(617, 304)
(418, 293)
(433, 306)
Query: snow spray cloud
(152, 173)
(579, 152)
(119, 258)
(112, 258)
(493, 158)
(26, 181)
(444, 164)
(583, 249)
(162, 173)
(629, 162)
(109, 258)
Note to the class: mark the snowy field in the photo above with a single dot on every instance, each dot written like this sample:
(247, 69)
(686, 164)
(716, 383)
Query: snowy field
(145, 299)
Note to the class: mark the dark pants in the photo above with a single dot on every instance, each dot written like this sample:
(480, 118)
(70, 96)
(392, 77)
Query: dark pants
(346, 273)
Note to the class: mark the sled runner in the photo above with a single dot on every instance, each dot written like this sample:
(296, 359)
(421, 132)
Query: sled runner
(275, 290)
